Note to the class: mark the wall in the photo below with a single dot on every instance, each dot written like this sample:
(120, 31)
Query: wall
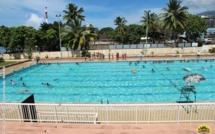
(129, 52)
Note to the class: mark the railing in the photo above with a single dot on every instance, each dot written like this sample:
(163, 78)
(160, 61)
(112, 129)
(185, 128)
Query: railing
(110, 113)
(142, 46)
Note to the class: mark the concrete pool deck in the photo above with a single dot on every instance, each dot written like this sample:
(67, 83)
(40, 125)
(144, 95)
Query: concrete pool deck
(81, 59)
(61, 128)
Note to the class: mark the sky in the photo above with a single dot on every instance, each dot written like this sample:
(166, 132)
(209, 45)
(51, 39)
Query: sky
(99, 13)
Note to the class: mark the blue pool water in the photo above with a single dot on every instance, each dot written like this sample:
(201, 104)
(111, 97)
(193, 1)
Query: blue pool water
(101, 81)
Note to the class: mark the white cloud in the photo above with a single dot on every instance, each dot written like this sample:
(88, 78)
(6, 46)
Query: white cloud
(198, 6)
(18, 12)
(31, 12)
(34, 21)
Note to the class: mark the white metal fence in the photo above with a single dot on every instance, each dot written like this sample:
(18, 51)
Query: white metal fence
(110, 113)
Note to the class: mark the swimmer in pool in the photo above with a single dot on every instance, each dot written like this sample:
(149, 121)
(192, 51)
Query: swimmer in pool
(153, 70)
(23, 84)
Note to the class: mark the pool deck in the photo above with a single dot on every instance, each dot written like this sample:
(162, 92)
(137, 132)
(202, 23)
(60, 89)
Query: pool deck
(60, 128)
(52, 128)
(80, 59)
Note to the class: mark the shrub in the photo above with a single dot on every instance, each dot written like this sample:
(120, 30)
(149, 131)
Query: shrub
(200, 43)
(29, 55)
(142, 52)
(85, 53)
(212, 50)
(177, 52)
(37, 57)
(16, 56)
(152, 52)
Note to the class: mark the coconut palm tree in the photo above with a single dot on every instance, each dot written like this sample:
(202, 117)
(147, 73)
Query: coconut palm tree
(78, 36)
(120, 29)
(151, 23)
(175, 16)
(72, 12)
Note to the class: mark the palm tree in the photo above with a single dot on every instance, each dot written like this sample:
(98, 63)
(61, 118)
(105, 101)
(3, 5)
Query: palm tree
(79, 36)
(120, 29)
(175, 15)
(72, 12)
(151, 23)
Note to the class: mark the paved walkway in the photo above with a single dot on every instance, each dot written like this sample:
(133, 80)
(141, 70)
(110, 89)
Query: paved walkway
(31, 63)
(53, 128)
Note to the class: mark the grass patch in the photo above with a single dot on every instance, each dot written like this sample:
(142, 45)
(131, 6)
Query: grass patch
(5, 63)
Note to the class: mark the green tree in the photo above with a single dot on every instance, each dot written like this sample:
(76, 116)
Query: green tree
(5, 37)
(151, 23)
(49, 43)
(109, 31)
(133, 34)
(17, 43)
(120, 29)
(72, 13)
(106, 30)
(195, 25)
(79, 36)
(30, 41)
(50, 36)
(175, 16)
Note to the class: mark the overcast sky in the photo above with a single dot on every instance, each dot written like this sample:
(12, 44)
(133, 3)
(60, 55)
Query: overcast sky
(100, 13)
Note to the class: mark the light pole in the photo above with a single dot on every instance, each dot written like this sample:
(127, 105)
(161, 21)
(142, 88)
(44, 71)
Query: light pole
(58, 15)
(147, 23)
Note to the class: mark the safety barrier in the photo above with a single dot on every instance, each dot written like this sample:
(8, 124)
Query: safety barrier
(110, 113)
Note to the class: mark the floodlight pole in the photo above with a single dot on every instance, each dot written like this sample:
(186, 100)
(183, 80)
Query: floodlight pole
(58, 15)
(147, 21)
(3, 101)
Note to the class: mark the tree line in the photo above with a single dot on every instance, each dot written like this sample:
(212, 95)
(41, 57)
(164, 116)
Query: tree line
(173, 21)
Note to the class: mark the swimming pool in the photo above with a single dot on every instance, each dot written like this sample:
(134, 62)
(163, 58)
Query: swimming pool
(109, 82)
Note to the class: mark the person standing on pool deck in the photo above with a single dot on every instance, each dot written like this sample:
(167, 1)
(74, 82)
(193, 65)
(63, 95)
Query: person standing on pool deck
(198, 54)
(117, 56)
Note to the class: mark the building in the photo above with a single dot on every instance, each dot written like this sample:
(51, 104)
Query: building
(211, 31)
(209, 20)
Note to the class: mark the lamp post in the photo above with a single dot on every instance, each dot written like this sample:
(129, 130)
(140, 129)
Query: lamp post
(147, 23)
(58, 15)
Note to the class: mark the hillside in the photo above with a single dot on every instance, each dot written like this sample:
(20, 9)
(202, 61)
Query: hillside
(208, 13)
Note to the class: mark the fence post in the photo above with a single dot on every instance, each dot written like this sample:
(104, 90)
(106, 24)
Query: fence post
(149, 114)
(136, 114)
(178, 113)
(56, 119)
(67, 113)
(29, 113)
(107, 114)
(191, 113)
